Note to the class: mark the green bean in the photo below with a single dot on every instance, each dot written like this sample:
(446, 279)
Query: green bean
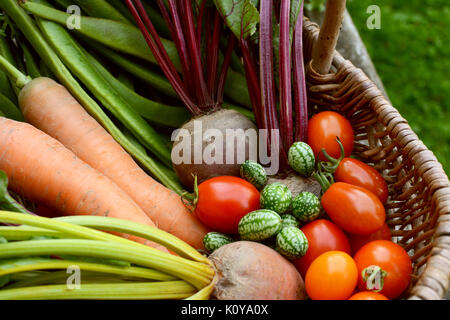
(129, 39)
(31, 66)
(155, 112)
(10, 91)
(78, 63)
(29, 29)
(138, 70)
(101, 9)
(105, 291)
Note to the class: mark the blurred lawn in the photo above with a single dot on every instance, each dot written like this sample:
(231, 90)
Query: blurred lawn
(411, 53)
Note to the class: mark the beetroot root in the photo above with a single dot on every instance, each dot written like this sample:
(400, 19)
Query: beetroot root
(198, 129)
(252, 271)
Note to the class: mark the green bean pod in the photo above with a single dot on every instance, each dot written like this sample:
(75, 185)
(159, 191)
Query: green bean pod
(153, 111)
(101, 9)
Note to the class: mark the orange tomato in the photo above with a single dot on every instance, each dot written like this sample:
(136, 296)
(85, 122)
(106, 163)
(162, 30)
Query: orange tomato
(368, 295)
(332, 276)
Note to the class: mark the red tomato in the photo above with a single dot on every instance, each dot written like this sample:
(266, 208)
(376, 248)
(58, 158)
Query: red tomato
(323, 236)
(392, 259)
(357, 241)
(358, 173)
(368, 295)
(354, 209)
(223, 201)
(324, 127)
(332, 276)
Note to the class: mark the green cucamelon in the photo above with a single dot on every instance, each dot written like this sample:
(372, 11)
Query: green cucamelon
(306, 207)
(214, 240)
(288, 220)
(301, 158)
(254, 173)
(291, 242)
(259, 225)
(277, 197)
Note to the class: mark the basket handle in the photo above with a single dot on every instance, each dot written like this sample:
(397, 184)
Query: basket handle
(325, 45)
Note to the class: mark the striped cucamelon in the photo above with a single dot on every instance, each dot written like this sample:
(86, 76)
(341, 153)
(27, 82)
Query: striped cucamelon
(254, 173)
(301, 158)
(277, 197)
(306, 207)
(214, 240)
(288, 220)
(291, 242)
(259, 225)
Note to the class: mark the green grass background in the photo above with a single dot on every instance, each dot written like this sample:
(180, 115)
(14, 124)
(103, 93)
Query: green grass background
(411, 53)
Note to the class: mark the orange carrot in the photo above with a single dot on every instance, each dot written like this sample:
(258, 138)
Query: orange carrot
(41, 169)
(51, 108)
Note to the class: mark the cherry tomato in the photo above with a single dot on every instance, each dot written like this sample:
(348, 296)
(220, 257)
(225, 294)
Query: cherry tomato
(356, 241)
(358, 173)
(332, 276)
(223, 201)
(396, 268)
(323, 236)
(368, 295)
(324, 127)
(353, 209)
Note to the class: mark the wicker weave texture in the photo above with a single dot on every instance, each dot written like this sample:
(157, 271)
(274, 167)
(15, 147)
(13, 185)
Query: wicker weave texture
(418, 209)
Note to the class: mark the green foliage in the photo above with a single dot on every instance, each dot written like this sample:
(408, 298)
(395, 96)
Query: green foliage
(411, 52)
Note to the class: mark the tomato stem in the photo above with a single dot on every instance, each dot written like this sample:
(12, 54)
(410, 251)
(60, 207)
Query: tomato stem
(374, 276)
(325, 179)
(332, 164)
(190, 199)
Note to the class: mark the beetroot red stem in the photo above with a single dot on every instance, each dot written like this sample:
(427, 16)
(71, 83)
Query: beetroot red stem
(202, 93)
(224, 69)
(160, 53)
(199, 21)
(286, 117)
(213, 56)
(179, 40)
(254, 89)
(300, 98)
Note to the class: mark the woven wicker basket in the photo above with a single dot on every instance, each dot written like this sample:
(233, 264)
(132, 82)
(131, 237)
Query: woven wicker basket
(418, 209)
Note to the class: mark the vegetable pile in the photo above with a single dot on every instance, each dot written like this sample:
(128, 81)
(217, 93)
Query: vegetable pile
(97, 109)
